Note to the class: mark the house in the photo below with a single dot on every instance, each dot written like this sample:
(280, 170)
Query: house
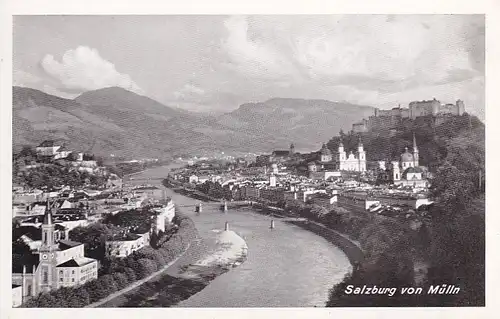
(57, 263)
(124, 245)
(62, 152)
(165, 214)
(28, 196)
(48, 148)
(324, 175)
(204, 178)
(114, 181)
(38, 208)
(32, 235)
(193, 179)
(17, 295)
(273, 194)
(357, 201)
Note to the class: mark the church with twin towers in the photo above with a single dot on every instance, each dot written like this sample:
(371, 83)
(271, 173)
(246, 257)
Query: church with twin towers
(352, 162)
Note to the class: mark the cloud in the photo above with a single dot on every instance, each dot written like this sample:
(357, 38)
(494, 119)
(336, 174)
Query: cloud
(26, 79)
(253, 56)
(188, 91)
(83, 69)
(413, 49)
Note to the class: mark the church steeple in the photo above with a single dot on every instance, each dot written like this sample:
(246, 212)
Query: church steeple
(415, 152)
(48, 230)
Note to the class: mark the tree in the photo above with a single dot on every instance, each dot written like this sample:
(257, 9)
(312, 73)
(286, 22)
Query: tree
(145, 267)
(452, 187)
(94, 237)
(72, 157)
(120, 279)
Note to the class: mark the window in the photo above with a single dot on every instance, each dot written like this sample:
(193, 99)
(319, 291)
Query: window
(61, 272)
(61, 279)
(72, 272)
(72, 279)
(45, 277)
(29, 290)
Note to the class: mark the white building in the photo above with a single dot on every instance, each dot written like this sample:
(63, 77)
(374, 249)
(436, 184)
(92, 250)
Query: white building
(17, 295)
(352, 162)
(407, 172)
(127, 244)
(164, 215)
(58, 263)
(48, 148)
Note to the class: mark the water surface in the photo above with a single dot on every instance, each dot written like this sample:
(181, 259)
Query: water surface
(286, 266)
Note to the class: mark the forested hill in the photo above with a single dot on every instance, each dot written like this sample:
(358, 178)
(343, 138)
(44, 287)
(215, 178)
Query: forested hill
(452, 241)
(434, 141)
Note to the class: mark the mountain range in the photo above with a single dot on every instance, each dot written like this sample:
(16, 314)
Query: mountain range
(116, 121)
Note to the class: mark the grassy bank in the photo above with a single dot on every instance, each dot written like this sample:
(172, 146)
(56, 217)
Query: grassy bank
(181, 281)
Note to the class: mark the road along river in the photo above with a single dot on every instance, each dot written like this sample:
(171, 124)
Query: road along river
(286, 267)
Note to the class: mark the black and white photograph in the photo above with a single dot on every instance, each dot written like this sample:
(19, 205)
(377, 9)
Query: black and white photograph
(247, 160)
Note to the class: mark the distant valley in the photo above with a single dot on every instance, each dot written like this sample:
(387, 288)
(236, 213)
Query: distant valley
(116, 121)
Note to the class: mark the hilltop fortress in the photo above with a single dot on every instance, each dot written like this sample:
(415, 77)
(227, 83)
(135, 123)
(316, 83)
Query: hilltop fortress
(392, 118)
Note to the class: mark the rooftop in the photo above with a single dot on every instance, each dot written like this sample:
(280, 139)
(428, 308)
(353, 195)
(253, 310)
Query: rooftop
(28, 260)
(67, 244)
(48, 143)
(77, 262)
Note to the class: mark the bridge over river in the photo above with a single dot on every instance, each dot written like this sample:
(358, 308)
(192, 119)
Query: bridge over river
(287, 266)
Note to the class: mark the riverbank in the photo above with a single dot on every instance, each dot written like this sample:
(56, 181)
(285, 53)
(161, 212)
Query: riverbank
(304, 265)
(350, 247)
(190, 275)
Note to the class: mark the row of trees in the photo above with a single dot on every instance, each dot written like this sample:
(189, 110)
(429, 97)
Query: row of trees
(215, 189)
(137, 220)
(116, 274)
(53, 175)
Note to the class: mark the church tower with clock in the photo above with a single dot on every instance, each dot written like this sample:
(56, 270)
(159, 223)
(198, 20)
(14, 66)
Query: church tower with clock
(58, 262)
(48, 256)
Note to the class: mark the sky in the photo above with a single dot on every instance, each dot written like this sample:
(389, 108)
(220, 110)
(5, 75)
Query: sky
(208, 63)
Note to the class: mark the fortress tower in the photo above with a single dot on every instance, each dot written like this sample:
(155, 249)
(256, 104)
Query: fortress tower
(460, 107)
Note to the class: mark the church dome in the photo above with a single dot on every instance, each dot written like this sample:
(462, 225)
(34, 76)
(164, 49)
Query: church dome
(325, 150)
(414, 170)
(407, 156)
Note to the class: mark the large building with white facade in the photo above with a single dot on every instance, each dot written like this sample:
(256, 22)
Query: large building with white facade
(352, 162)
(56, 263)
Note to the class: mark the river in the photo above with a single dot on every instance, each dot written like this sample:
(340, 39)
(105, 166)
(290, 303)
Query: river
(286, 266)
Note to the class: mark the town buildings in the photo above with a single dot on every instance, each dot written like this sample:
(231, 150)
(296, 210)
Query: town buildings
(56, 263)
(406, 171)
(124, 245)
(352, 162)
